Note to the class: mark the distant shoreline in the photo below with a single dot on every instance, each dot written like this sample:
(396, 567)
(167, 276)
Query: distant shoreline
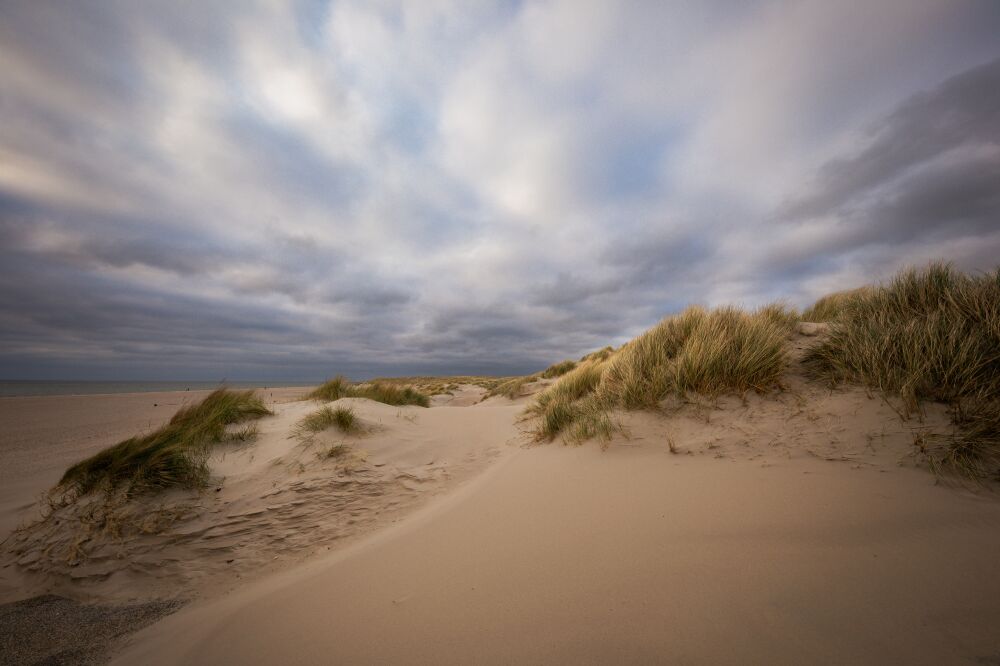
(39, 388)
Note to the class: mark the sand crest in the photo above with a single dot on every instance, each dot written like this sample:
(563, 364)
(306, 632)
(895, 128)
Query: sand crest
(273, 501)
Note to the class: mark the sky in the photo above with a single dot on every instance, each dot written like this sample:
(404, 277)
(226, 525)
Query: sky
(291, 190)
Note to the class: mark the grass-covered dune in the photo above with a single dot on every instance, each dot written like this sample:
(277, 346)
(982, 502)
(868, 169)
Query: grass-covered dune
(379, 391)
(438, 385)
(931, 334)
(174, 455)
(697, 350)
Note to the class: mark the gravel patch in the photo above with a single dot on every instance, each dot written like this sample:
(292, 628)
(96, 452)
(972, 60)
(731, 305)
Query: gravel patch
(53, 630)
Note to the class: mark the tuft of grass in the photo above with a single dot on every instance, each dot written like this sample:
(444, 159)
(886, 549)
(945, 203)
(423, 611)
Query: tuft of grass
(332, 389)
(247, 433)
(336, 451)
(599, 355)
(830, 306)
(574, 385)
(511, 389)
(437, 385)
(556, 417)
(731, 351)
(973, 450)
(391, 394)
(567, 406)
(174, 455)
(342, 418)
(928, 334)
(641, 373)
(558, 369)
(695, 351)
(781, 314)
(379, 391)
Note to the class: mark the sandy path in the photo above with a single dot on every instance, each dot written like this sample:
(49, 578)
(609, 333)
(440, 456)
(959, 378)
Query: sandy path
(560, 555)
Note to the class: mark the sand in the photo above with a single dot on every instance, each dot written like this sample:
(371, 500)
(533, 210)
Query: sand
(40, 436)
(793, 528)
(635, 556)
(272, 503)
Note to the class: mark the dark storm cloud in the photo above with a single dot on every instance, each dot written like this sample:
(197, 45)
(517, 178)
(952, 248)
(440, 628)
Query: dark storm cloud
(928, 177)
(963, 111)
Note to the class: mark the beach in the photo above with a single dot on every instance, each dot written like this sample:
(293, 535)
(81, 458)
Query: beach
(782, 530)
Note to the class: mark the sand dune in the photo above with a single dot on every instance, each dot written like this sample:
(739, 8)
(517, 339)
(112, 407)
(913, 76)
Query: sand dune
(560, 555)
(793, 527)
(273, 502)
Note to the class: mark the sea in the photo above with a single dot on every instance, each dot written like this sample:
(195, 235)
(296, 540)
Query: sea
(13, 388)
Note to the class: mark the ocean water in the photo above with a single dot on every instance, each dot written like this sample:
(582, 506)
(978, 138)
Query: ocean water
(24, 388)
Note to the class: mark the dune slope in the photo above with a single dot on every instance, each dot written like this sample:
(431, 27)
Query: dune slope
(634, 555)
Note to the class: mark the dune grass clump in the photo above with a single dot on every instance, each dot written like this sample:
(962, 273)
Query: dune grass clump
(974, 448)
(391, 394)
(332, 389)
(341, 418)
(379, 391)
(511, 389)
(929, 334)
(444, 384)
(558, 369)
(574, 385)
(568, 406)
(830, 306)
(174, 455)
(731, 351)
(695, 351)
(599, 355)
(781, 314)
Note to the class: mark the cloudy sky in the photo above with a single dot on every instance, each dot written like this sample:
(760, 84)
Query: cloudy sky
(286, 190)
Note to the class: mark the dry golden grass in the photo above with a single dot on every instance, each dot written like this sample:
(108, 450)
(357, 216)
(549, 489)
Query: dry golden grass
(379, 391)
(444, 384)
(342, 418)
(930, 334)
(695, 351)
(558, 369)
(173, 455)
(828, 307)
(512, 388)
(599, 355)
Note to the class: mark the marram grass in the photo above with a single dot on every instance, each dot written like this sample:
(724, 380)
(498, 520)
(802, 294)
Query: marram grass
(174, 455)
(558, 369)
(342, 418)
(930, 334)
(830, 306)
(512, 388)
(379, 391)
(696, 351)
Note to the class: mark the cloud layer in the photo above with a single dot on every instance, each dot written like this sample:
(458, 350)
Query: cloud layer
(288, 190)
